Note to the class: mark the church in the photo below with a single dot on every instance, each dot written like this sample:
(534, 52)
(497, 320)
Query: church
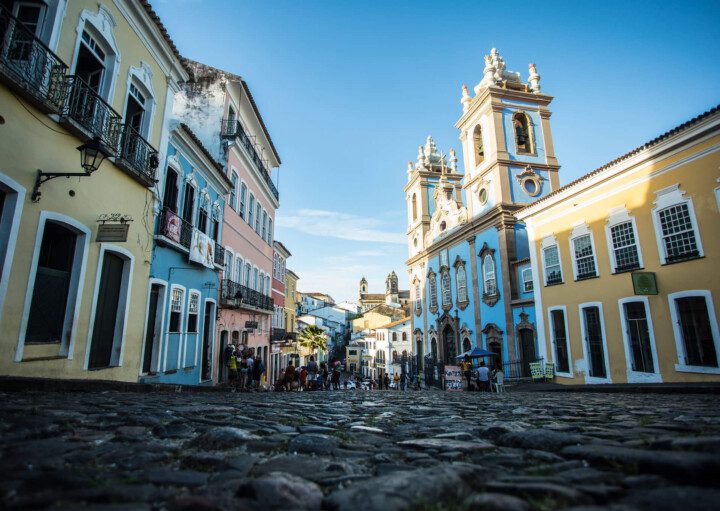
(469, 265)
(393, 297)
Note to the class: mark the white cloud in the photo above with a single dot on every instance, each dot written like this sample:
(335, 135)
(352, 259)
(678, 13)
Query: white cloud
(340, 225)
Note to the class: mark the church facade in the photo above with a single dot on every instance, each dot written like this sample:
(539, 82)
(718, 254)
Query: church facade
(470, 276)
(393, 297)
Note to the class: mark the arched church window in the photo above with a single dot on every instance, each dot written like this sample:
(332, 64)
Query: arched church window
(489, 280)
(467, 346)
(478, 145)
(523, 133)
(433, 348)
(404, 336)
(418, 300)
(394, 336)
(414, 207)
(461, 279)
(432, 284)
(446, 290)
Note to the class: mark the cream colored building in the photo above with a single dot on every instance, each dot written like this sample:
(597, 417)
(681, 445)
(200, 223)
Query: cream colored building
(376, 317)
(625, 264)
(73, 294)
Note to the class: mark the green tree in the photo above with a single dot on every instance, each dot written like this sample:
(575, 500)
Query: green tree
(313, 338)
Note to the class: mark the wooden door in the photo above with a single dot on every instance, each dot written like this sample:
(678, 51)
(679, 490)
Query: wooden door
(106, 311)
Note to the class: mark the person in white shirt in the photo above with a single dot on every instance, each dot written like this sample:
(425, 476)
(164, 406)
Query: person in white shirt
(483, 377)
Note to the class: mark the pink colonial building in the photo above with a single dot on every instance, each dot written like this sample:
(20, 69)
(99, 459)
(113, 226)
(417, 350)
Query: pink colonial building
(279, 336)
(220, 108)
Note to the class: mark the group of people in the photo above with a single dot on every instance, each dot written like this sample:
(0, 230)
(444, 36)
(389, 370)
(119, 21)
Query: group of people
(245, 371)
(310, 377)
(483, 376)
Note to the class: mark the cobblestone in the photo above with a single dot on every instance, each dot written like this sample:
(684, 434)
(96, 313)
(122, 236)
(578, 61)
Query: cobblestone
(358, 450)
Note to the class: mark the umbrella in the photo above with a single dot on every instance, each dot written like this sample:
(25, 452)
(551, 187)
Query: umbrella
(477, 352)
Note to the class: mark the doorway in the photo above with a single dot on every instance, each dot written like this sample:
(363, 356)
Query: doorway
(207, 336)
(594, 342)
(527, 349)
(106, 313)
(449, 346)
(153, 332)
(222, 362)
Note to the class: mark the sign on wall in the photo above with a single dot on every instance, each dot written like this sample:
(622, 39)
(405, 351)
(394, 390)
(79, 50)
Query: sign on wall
(453, 378)
(644, 283)
(113, 227)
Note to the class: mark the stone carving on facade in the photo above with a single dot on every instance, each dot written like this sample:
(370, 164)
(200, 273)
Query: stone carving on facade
(448, 213)
(534, 79)
(462, 301)
(527, 176)
(488, 298)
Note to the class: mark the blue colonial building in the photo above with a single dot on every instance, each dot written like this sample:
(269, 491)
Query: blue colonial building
(469, 266)
(179, 345)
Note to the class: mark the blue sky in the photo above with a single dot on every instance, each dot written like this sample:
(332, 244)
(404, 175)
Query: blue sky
(349, 89)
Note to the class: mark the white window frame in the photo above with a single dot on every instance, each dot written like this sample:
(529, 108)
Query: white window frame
(616, 217)
(181, 322)
(580, 231)
(77, 283)
(9, 227)
(187, 333)
(668, 197)
(446, 291)
(549, 242)
(242, 198)
(432, 283)
(123, 304)
(141, 79)
(233, 200)
(250, 218)
(190, 179)
(525, 281)
(638, 376)
(237, 268)
(270, 230)
(583, 339)
(681, 366)
(485, 275)
(553, 350)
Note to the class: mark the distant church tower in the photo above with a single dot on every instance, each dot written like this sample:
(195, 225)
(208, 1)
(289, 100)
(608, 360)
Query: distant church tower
(391, 289)
(363, 286)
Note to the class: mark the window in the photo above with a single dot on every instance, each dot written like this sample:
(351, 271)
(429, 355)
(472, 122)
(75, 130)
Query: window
(251, 210)
(527, 280)
(135, 109)
(243, 193)
(432, 285)
(404, 336)
(678, 234)
(693, 317)
(584, 256)
(414, 207)
(270, 235)
(90, 65)
(188, 203)
(560, 340)
(637, 337)
(258, 217)
(255, 280)
(193, 310)
(625, 254)
(489, 281)
(203, 220)
(478, 145)
(215, 225)
(522, 128)
(238, 269)
(418, 300)
(233, 191)
(176, 306)
(461, 282)
(170, 196)
(551, 259)
(446, 289)
(264, 225)
(227, 267)
(246, 277)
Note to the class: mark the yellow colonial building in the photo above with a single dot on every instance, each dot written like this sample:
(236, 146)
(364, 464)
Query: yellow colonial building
(75, 251)
(291, 301)
(625, 264)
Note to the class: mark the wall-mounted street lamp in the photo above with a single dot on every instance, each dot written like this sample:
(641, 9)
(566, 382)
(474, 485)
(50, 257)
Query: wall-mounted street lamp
(92, 155)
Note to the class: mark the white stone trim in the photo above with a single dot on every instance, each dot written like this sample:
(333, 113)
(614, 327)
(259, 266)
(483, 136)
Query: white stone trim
(75, 291)
(668, 197)
(537, 295)
(681, 366)
(181, 323)
(637, 376)
(583, 342)
(161, 309)
(123, 303)
(142, 76)
(617, 216)
(9, 226)
(547, 242)
(578, 231)
(563, 308)
(187, 332)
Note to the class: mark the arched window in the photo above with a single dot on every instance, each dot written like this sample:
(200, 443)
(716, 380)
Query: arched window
(461, 280)
(246, 277)
(414, 207)
(489, 281)
(418, 300)
(446, 290)
(394, 337)
(404, 336)
(433, 348)
(467, 346)
(432, 281)
(478, 145)
(238, 269)
(522, 128)
(395, 356)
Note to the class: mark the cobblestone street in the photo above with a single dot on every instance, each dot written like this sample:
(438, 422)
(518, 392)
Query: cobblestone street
(359, 450)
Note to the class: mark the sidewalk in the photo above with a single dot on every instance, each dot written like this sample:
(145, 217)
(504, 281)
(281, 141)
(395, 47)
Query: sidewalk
(626, 388)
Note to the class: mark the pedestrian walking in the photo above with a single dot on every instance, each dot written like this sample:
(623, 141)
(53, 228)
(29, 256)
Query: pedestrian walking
(289, 376)
(243, 370)
(466, 368)
(483, 377)
(250, 378)
(312, 370)
(258, 369)
(386, 379)
(336, 378)
(233, 370)
(396, 381)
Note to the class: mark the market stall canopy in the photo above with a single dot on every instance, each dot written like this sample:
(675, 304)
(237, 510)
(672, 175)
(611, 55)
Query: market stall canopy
(477, 352)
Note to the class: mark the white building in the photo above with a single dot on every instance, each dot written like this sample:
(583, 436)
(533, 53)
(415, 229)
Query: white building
(393, 346)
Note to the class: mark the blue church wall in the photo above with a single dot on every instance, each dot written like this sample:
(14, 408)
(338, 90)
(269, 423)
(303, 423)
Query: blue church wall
(539, 140)
(522, 248)
(519, 195)
(466, 316)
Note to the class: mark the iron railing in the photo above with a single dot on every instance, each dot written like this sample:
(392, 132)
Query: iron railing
(30, 66)
(173, 227)
(515, 369)
(231, 128)
(235, 296)
(137, 155)
(219, 254)
(92, 114)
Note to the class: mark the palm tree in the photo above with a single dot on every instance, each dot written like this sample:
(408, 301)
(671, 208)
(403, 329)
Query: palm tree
(313, 338)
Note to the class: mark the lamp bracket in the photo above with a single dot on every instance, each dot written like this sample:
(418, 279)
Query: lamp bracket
(42, 177)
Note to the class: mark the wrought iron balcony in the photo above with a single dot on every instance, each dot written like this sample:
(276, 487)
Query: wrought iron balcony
(29, 66)
(219, 254)
(237, 296)
(278, 334)
(137, 156)
(91, 114)
(173, 228)
(231, 128)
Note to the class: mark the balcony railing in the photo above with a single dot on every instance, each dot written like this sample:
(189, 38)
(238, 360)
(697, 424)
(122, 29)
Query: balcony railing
(174, 228)
(235, 296)
(278, 334)
(92, 114)
(28, 65)
(231, 128)
(137, 156)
